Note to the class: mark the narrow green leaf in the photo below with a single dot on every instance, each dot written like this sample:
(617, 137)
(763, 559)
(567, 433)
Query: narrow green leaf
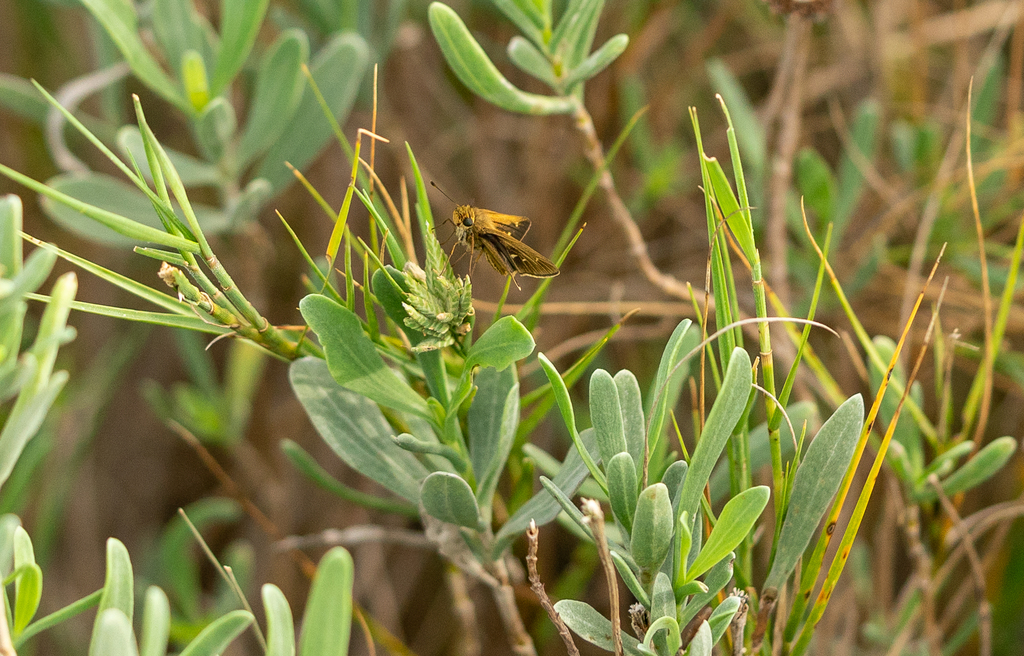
(531, 61)
(721, 421)
(355, 429)
(593, 627)
(815, 483)
(472, 66)
(492, 422)
(670, 373)
(606, 415)
(653, 526)
(192, 170)
(734, 524)
(118, 198)
(561, 394)
(717, 578)
(118, 589)
(632, 409)
(629, 578)
(156, 623)
(601, 59)
(178, 28)
(574, 35)
(338, 70)
(722, 616)
(220, 633)
(327, 623)
(279, 88)
(240, 23)
(623, 488)
(120, 21)
(119, 224)
(215, 127)
(112, 635)
(280, 627)
(663, 601)
(449, 498)
(526, 17)
(975, 471)
(730, 208)
(353, 359)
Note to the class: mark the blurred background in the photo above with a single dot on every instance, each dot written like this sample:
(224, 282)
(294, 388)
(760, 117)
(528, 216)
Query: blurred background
(860, 110)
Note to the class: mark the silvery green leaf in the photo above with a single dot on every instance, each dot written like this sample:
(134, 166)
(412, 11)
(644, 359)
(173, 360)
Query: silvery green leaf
(653, 526)
(472, 66)
(815, 483)
(606, 415)
(596, 62)
(449, 498)
(593, 627)
(532, 61)
(623, 488)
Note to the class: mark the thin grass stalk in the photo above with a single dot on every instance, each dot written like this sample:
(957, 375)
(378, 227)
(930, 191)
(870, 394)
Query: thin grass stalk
(852, 528)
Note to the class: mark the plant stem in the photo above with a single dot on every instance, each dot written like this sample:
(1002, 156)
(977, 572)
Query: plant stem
(505, 598)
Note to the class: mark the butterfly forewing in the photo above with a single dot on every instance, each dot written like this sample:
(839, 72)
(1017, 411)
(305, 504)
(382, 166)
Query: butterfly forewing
(513, 226)
(498, 236)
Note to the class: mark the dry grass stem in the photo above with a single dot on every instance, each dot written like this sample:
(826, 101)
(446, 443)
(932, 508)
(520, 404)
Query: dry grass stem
(465, 612)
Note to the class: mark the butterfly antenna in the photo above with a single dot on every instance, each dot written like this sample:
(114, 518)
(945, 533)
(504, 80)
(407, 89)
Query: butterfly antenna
(434, 185)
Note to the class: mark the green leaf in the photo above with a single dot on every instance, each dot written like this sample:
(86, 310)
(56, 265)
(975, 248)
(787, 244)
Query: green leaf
(716, 579)
(194, 80)
(750, 133)
(815, 483)
(505, 342)
(526, 17)
(722, 420)
(606, 415)
(279, 88)
(734, 524)
(156, 623)
(215, 127)
(531, 61)
(702, 644)
(629, 578)
(120, 21)
(118, 589)
(449, 498)
(132, 209)
(722, 616)
(327, 623)
(10, 236)
(18, 96)
(975, 471)
(597, 62)
(542, 507)
(280, 627)
(593, 627)
(112, 635)
(240, 24)
(28, 585)
(561, 394)
(215, 638)
(574, 36)
(353, 359)
(663, 602)
(192, 170)
(179, 28)
(653, 526)
(132, 229)
(472, 66)
(355, 429)
(670, 375)
(632, 409)
(730, 208)
(623, 488)
(492, 419)
(337, 70)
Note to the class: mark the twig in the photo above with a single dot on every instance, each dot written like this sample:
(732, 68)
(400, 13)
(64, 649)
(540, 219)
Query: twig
(977, 571)
(739, 623)
(505, 598)
(595, 519)
(786, 144)
(533, 540)
(465, 611)
(922, 574)
(620, 213)
(691, 628)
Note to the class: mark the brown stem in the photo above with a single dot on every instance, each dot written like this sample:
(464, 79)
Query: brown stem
(595, 519)
(532, 537)
(505, 598)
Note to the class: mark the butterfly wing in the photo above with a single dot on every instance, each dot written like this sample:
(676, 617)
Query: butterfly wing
(510, 256)
(513, 226)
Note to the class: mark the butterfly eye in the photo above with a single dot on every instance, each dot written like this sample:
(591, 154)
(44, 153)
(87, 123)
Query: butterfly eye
(467, 222)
